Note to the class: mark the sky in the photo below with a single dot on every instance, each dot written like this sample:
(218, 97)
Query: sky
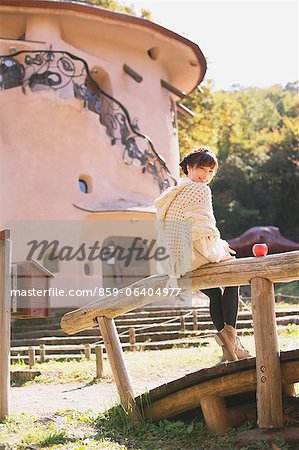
(251, 43)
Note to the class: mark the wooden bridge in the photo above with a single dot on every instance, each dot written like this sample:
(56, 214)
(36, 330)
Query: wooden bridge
(267, 374)
(220, 391)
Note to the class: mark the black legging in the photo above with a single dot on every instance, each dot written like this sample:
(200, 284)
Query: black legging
(223, 305)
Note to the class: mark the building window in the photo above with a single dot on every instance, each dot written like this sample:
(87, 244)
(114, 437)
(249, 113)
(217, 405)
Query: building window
(85, 184)
(153, 53)
(116, 273)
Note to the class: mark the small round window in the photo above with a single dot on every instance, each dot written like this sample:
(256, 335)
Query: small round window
(83, 186)
(85, 183)
(153, 53)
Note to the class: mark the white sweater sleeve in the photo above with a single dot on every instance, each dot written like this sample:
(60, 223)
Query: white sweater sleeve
(211, 248)
(206, 241)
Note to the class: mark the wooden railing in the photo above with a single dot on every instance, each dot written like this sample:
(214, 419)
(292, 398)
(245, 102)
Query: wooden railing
(260, 273)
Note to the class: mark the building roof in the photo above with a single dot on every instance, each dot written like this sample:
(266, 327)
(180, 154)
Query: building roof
(32, 263)
(183, 59)
(117, 205)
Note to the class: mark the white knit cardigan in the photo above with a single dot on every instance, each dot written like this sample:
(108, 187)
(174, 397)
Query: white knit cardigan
(187, 229)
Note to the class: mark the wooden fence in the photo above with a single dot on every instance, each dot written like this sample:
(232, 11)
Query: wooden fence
(260, 273)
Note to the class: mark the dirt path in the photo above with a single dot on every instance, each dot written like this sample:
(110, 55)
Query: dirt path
(46, 399)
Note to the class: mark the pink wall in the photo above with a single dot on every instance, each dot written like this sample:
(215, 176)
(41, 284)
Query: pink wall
(48, 139)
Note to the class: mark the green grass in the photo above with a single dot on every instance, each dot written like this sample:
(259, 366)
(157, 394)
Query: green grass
(153, 365)
(291, 331)
(113, 430)
(110, 430)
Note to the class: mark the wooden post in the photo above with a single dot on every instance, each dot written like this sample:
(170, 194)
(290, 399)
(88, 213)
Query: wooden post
(128, 70)
(5, 318)
(173, 89)
(182, 322)
(31, 356)
(215, 413)
(132, 339)
(269, 390)
(99, 361)
(42, 353)
(87, 351)
(195, 324)
(118, 366)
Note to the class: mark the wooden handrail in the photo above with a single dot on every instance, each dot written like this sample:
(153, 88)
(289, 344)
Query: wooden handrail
(281, 267)
(278, 268)
(261, 273)
(132, 73)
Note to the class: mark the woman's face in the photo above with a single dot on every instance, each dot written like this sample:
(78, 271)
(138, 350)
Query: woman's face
(200, 174)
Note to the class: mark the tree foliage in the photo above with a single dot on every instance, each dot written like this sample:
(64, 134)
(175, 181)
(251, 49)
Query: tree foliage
(255, 134)
(115, 5)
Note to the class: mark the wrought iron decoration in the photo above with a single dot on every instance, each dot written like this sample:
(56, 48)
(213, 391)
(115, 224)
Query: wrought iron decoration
(56, 70)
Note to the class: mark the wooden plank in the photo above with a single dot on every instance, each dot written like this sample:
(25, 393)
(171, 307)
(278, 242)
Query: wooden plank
(217, 371)
(200, 376)
(112, 306)
(236, 383)
(118, 366)
(283, 267)
(5, 318)
(269, 391)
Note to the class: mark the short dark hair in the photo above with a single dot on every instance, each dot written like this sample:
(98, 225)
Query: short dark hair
(202, 156)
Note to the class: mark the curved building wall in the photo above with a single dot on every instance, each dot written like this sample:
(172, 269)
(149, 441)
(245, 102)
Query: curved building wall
(50, 138)
(54, 145)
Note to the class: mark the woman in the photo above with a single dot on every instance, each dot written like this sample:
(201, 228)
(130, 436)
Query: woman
(188, 231)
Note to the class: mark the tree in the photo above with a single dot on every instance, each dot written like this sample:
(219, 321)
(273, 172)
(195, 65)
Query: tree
(114, 5)
(253, 131)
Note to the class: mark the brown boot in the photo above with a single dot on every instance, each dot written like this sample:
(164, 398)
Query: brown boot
(226, 338)
(231, 346)
(241, 352)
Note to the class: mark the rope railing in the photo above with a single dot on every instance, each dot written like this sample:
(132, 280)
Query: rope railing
(152, 325)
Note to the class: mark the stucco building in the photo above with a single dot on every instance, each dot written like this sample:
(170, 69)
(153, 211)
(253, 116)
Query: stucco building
(88, 108)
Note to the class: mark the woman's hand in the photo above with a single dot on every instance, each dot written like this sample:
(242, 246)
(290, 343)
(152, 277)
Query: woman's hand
(229, 250)
(227, 257)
